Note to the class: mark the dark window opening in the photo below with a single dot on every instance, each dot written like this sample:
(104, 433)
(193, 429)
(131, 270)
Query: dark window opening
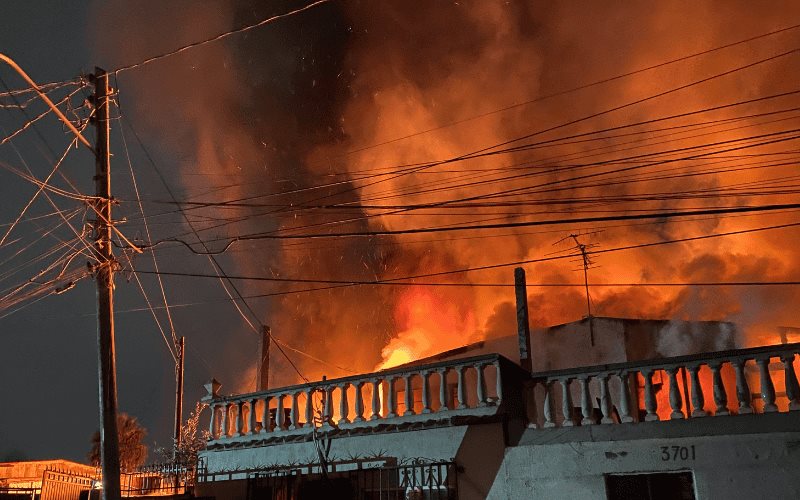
(652, 486)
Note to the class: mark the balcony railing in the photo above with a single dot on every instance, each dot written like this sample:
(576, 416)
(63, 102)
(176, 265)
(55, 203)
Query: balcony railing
(476, 386)
(744, 381)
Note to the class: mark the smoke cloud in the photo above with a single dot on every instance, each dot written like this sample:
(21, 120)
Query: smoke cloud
(321, 99)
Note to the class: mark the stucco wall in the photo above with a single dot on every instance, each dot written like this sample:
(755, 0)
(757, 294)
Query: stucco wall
(725, 467)
(478, 449)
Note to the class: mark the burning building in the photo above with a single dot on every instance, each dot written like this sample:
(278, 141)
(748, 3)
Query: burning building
(604, 408)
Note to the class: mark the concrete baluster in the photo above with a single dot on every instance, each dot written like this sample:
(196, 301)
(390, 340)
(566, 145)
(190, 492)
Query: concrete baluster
(223, 428)
(280, 415)
(426, 392)
(212, 428)
(409, 396)
(442, 389)
(344, 408)
(698, 401)
(605, 400)
(294, 412)
(498, 382)
(790, 378)
(327, 408)
(742, 389)
(548, 405)
(481, 384)
(391, 407)
(359, 402)
(586, 402)
(309, 416)
(767, 387)
(239, 419)
(461, 390)
(266, 424)
(650, 403)
(566, 403)
(376, 399)
(720, 396)
(624, 399)
(252, 417)
(675, 398)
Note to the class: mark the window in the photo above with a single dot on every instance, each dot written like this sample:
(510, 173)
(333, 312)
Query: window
(651, 486)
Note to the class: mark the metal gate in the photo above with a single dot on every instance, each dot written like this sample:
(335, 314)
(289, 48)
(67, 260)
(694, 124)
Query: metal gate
(414, 481)
(58, 485)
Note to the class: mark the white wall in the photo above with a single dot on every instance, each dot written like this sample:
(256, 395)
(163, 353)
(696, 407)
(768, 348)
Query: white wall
(750, 466)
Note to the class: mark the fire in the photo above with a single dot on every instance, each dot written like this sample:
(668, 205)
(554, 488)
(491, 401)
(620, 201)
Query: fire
(387, 92)
(428, 324)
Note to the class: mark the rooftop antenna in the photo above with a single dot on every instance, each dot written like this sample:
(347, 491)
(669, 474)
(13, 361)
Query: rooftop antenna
(586, 264)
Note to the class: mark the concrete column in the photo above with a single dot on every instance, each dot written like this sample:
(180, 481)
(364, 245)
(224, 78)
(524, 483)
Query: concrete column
(239, 420)
(280, 415)
(252, 417)
(309, 407)
(461, 390)
(294, 415)
(624, 399)
(212, 429)
(426, 396)
(376, 399)
(767, 387)
(548, 405)
(792, 387)
(720, 396)
(481, 383)
(391, 407)
(266, 419)
(742, 389)
(586, 402)
(650, 403)
(675, 399)
(344, 409)
(359, 402)
(409, 396)
(698, 401)
(566, 403)
(605, 400)
(442, 389)
(223, 427)
(498, 382)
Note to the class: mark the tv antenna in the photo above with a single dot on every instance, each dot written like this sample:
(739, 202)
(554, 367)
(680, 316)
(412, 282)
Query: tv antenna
(586, 263)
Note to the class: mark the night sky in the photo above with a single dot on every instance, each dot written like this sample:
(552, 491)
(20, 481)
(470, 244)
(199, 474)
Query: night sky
(328, 97)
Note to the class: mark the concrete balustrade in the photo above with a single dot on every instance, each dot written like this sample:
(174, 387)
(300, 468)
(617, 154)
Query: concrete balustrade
(745, 381)
(437, 391)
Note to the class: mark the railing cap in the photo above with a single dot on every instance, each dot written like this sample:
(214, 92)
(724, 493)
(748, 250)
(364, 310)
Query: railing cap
(776, 350)
(382, 374)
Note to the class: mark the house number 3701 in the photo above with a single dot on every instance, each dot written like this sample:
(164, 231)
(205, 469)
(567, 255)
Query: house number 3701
(673, 453)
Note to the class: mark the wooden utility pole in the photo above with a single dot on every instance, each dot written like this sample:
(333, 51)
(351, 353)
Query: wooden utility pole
(523, 328)
(263, 362)
(179, 396)
(104, 275)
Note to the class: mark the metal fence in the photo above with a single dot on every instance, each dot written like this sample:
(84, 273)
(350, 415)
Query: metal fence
(414, 481)
(62, 485)
(168, 478)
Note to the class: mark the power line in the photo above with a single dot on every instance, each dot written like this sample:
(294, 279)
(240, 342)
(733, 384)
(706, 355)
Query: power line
(577, 220)
(574, 89)
(219, 37)
(217, 268)
(480, 268)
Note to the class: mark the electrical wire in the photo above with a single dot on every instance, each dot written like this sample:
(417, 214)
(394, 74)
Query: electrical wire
(219, 37)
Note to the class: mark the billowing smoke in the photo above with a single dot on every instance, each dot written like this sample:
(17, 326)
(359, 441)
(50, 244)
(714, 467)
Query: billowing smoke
(321, 99)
